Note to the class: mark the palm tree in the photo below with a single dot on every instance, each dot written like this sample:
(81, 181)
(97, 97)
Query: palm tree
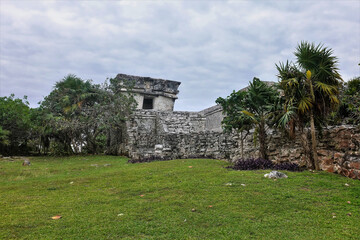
(253, 108)
(261, 105)
(311, 89)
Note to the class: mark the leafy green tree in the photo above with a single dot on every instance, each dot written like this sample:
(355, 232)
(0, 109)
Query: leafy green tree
(4, 137)
(15, 125)
(63, 109)
(351, 100)
(120, 103)
(234, 119)
(84, 116)
(254, 108)
(311, 89)
(42, 129)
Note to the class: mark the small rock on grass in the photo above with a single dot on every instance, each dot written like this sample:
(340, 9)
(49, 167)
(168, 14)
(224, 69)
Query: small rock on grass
(275, 175)
(26, 162)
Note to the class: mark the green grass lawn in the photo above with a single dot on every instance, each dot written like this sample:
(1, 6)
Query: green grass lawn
(155, 201)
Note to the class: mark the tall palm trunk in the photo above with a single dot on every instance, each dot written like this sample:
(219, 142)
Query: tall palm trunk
(306, 148)
(312, 124)
(313, 142)
(262, 139)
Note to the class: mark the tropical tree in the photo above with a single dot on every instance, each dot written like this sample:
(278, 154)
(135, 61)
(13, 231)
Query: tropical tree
(311, 91)
(234, 119)
(83, 116)
(254, 108)
(63, 108)
(351, 100)
(4, 137)
(15, 125)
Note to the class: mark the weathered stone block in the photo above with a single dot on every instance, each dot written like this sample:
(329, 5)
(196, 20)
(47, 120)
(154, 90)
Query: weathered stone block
(329, 168)
(158, 147)
(355, 164)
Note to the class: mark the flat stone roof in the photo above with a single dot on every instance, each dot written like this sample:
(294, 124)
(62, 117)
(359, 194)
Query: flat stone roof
(152, 86)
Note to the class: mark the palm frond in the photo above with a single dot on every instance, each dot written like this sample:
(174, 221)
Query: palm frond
(334, 99)
(305, 104)
(326, 88)
(286, 118)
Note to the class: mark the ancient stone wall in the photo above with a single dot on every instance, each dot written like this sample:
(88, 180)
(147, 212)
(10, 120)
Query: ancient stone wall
(173, 135)
(213, 117)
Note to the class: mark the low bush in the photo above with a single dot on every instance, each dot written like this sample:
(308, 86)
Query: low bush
(166, 158)
(260, 163)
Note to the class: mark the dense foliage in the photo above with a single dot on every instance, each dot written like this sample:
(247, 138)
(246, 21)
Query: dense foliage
(15, 125)
(255, 107)
(350, 108)
(261, 163)
(76, 117)
(311, 92)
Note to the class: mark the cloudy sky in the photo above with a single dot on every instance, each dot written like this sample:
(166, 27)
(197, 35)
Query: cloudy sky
(212, 47)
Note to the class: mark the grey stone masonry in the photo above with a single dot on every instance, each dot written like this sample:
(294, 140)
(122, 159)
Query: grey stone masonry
(174, 135)
(152, 93)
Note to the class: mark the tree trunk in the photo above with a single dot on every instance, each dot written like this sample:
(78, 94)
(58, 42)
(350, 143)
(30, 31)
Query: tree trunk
(312, 125)
(262, 140)
(306, 148)
(292, 129)
(242, 145)
(313, 142)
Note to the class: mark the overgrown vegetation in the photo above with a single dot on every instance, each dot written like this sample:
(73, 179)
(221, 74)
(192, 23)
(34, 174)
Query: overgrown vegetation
(260, 163)
(76, 117)
(15, 124)
(256, 107)
(104, 197)
(349, 110)
(311, 92)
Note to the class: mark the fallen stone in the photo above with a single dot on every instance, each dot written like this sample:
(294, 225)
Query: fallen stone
(276, 175)
(26, 162)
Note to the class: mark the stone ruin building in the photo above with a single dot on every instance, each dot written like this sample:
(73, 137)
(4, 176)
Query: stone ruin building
(155, 131)
(151, 93)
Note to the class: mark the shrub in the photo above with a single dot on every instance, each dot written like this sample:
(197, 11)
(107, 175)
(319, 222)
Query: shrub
(260, 163)
(149, 159)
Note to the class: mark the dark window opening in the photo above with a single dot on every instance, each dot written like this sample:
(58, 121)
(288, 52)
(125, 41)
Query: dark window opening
(148, 103)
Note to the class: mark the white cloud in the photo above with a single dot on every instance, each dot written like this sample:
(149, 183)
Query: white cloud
(212, 47)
